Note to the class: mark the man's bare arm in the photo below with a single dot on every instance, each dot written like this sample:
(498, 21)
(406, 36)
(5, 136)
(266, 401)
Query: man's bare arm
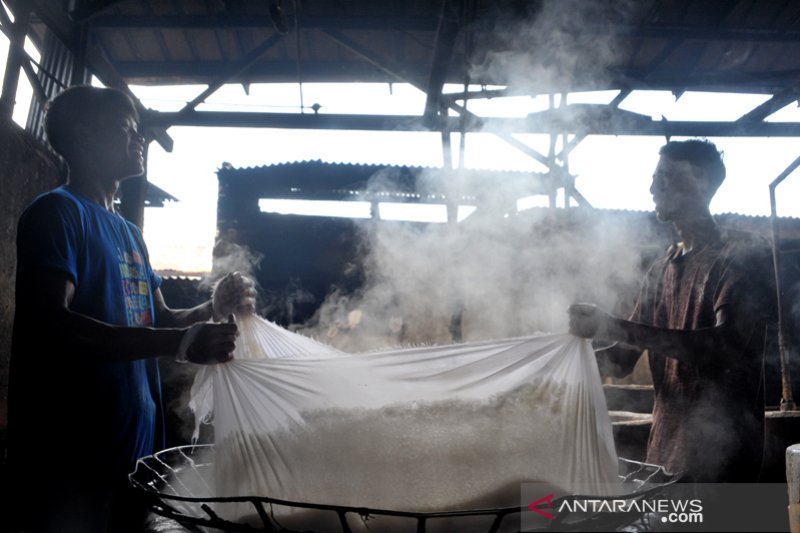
(234, 293)
(182, 318)
(728, 331)
(45, 321)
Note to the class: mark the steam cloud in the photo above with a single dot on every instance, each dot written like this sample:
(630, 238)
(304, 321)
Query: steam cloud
(504, 273)
(551, 44)
(228, 256)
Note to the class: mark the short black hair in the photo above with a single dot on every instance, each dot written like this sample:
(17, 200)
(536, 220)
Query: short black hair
(80, 104)
(701, 153)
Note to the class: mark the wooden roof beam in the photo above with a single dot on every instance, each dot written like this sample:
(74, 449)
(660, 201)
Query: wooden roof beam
(769, 82)
(543, 125)
(67, 32)
(660, 31)
(776, 103)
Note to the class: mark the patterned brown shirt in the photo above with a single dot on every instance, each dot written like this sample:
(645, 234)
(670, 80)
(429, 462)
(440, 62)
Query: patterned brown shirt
(708, 417)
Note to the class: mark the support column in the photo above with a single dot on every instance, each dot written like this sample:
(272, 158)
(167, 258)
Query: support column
(453, 195)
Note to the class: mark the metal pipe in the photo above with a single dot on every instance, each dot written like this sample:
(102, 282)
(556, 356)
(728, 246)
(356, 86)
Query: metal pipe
(787, 400)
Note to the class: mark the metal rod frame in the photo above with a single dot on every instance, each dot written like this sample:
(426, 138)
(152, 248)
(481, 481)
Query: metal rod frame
(787, 399)
(158, 479)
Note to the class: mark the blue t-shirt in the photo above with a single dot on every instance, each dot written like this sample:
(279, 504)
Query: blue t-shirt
(110, 413)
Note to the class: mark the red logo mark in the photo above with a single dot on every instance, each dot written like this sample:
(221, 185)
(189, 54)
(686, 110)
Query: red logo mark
(535, 506)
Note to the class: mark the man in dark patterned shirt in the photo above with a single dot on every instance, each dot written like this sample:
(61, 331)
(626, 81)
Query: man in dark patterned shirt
(702, 315)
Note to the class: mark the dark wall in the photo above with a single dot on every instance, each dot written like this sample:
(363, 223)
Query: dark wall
(26, 170)
(303, 260)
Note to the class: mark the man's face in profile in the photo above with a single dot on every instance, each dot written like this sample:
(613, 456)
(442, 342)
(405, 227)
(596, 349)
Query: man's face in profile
(677, 189)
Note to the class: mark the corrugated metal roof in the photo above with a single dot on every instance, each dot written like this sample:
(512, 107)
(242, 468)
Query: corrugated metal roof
(319, 180)
(571, 45)
(227, 167)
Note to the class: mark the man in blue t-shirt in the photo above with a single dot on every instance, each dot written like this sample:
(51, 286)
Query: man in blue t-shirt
(84, 398)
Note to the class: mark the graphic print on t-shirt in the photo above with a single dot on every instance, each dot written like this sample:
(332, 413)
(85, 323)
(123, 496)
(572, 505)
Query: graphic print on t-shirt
(134, 284)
